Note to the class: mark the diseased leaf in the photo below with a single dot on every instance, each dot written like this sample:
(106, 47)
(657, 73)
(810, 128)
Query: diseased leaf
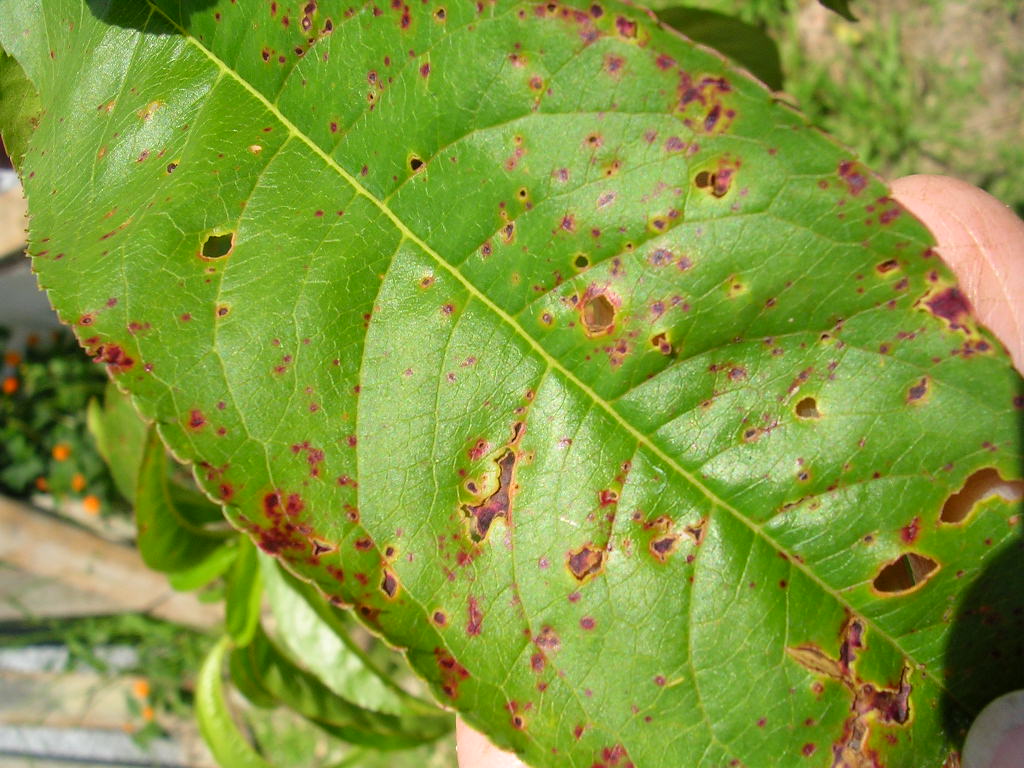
(579, 367)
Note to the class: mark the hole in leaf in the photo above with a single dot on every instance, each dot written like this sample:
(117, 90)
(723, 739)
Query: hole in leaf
(415, 163)
(582, 261)
(661, 343)
(218, 246)
(522, 193)
(808, 409)
(704, 179)
(983, 484)
(598, 315)
(905, 573)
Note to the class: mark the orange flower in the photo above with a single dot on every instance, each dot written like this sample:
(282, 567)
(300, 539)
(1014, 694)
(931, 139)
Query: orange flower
(41, 484)
(61, 451)
(140, 688)
(10, 385)
(12, 358)
(147, 713)
(78, 482)
(91, 504)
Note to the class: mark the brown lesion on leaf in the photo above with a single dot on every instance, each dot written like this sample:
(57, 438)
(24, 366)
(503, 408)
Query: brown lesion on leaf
(452, 673)
(662, 547)
(547, 640)
(112, 355)
(703, 101)
(508, 233)
(871, 704)
(389, 584)
(984, 484)
(585, 563)
(948, 304)
(475, 617)
(321, 547)
(853, 175)
(918, 392)
(696, 531)
(498, 504)
(717, 182)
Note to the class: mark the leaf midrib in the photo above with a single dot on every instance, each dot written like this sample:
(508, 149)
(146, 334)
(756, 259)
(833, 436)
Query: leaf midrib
(552, 362)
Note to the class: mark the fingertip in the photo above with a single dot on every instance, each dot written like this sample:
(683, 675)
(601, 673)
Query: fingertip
(475, 751)
(982, 241)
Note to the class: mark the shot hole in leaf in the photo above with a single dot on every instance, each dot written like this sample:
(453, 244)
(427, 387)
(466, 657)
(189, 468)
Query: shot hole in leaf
(217, 246)
(582, 261)
(415, 164)
(983, 484)
(905, 573)
(598, 315)
(807, 409)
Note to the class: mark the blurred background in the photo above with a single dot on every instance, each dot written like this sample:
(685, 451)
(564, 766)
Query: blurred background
(102, 637)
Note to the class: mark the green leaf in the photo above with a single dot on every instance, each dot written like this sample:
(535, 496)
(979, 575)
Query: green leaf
(247, 680)
(205, 571)
(228, 746)
(580, 368)
(19, 108)
(169, 537)
(260, 662)
(320, 635)
(243, 595)
(746, 44)
(842, 7)
(120, 437)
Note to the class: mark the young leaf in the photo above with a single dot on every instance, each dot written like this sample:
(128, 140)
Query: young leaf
(573, 362)
(243, 595)
(227, 744)
(120, 438)
(205, 571)
(316, 632)
(261, 663)
(842, 7)
(169, 536)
